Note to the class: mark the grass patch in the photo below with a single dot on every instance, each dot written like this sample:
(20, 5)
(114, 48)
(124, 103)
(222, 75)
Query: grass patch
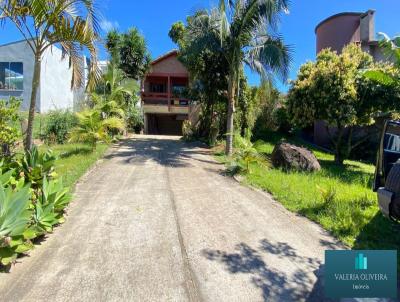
(339, 198)
(74, 160)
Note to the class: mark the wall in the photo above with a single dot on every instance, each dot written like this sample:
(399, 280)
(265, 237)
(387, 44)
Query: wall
(338, 31)
(20, 52)
(55, 82)
(169, 65)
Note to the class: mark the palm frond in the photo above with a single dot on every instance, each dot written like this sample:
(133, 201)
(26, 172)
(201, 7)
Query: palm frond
(270, 56)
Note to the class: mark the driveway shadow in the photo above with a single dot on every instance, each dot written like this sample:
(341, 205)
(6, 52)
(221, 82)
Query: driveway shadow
(166, 152)
(274, 284)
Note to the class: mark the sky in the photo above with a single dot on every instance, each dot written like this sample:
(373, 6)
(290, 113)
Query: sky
(154, 19)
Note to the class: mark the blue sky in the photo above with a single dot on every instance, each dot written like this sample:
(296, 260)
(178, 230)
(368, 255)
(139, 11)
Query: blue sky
(154, 18)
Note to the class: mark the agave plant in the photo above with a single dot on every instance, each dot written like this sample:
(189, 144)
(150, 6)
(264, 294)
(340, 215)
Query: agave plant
(14, 219)
(37, 165)
(53, 192)
(92, 128)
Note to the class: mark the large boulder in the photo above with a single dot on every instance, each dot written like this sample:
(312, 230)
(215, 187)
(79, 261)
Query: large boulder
(291, 157)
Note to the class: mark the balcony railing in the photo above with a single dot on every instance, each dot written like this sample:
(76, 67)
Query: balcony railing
(155, 95)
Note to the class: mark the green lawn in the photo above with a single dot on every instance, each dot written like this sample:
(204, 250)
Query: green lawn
(74, 160)
(338, 198)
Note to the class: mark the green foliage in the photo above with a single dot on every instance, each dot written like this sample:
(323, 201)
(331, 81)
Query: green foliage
(202, 56)
(334, 89)
(30, 207)
(188, 131)
(72, 24)
(129, 51)
(37, 165)
(92, 128)
(49, 207)
(387, 78)
(119, 98)
(9, 118)
(177, 32)
(282, 120)
(337, 197)
(58, 124)
(214, 47)
(248, 109)
(14, 219)
(245, 153)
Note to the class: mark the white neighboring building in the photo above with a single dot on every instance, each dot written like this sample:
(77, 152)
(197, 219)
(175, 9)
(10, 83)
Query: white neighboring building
(16, 72)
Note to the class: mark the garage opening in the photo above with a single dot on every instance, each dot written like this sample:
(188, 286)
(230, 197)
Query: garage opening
(165, 124)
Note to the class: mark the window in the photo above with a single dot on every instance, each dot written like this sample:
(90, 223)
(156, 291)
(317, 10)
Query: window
(157, 87)
(11, 76)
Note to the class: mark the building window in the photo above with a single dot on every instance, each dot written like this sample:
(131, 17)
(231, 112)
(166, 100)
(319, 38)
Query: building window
(11, 76)
(156, 87)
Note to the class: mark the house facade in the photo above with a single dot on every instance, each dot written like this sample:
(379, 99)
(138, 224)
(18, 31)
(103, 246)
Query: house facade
(16, 73)
(162, 96)
(337, 31)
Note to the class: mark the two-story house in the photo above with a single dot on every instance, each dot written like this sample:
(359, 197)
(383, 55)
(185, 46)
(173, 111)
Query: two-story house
(163, 102)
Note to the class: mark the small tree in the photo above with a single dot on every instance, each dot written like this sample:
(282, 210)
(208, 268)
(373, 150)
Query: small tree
(71, 24)
(334, 89)
(129, 51)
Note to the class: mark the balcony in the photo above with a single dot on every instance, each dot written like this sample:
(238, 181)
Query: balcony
(164, 103)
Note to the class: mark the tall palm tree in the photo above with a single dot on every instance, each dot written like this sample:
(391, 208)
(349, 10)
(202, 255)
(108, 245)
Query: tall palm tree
(247, 33)
(71, 24)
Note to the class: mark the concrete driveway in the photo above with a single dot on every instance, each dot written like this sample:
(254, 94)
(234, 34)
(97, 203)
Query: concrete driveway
(156, 221)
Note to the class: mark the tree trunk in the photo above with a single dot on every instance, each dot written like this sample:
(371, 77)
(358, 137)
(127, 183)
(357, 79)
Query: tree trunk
(338, 147)
(32, 106)
(231, 111)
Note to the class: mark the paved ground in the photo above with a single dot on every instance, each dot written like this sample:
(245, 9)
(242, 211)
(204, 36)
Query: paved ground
(156, 221)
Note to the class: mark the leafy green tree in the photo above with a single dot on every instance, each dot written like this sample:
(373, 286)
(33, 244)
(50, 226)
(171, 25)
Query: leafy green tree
(202, 55)
(71, 24)
(129, 51)
(205, 57)
(244, 27)
(334, 89)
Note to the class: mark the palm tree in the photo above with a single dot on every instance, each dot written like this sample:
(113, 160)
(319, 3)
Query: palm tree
(118, 93)
(71, 24)
(247, 33)
(92, 127)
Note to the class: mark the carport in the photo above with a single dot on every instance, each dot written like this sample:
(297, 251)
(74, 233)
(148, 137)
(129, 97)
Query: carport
(164, 124)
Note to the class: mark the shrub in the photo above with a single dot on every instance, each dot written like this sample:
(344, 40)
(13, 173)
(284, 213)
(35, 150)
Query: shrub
(134, 119)
(187, 131)
(58, 124)
(245, 153)
(9, 133)
(281, 118)
(92, 128)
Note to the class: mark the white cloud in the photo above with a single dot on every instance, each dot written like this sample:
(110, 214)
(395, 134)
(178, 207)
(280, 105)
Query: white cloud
(107, 25)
